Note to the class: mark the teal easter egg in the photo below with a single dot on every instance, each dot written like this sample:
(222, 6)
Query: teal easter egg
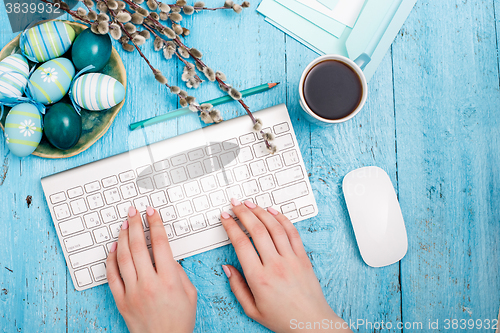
(14, 71)
(23, 129)
(47, 41)
(51, 81)
(97, 92)
(62, 126)
(91, 49)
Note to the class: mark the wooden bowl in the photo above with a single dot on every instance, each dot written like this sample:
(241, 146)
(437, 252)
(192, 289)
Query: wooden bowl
(95, 123)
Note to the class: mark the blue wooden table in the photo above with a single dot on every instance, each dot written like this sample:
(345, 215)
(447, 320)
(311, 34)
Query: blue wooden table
(431, 121)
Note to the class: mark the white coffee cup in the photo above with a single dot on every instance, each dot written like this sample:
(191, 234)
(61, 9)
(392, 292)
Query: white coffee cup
(356, 66)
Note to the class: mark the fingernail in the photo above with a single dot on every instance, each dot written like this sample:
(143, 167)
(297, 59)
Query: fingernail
(235, 202)
(150, 211)
(132, 211)
(125, 225)
(272, 211)
(224, 215)
(250, 204)
(227, 271)
(113, 247)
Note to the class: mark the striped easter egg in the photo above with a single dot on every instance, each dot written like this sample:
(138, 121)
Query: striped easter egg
(23, 129)
(14, 71)
(51, 81)
(47, 41)
(97, 92)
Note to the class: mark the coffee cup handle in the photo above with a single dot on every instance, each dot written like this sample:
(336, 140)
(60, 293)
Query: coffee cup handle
(363, 60)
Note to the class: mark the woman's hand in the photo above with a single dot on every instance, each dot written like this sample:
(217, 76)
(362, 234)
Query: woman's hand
(281, 290)
(150, 299)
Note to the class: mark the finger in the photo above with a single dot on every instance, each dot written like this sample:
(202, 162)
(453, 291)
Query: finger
(240, 289)
(164, 260)
(243, 247)
(260, 235)
(186, 283)
(113, 275)
(124, 258)
(138, 246)
(291, 231)
(275, 229)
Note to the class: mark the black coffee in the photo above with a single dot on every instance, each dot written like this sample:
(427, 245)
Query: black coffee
(332, 89)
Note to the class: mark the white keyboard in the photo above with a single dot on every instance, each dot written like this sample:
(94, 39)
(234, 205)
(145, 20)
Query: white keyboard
(189, 179)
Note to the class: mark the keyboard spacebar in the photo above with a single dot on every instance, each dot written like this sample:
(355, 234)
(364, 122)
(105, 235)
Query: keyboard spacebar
(182, 247)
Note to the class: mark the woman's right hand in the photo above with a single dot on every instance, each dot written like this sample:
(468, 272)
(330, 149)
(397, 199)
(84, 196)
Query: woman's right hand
(281, 290)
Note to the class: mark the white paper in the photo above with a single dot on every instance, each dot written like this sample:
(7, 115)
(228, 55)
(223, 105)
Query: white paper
(346, 11)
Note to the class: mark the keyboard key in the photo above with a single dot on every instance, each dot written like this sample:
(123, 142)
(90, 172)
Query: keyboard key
(217, 198)
(290, 157)
(71, 226)
(289, 175)
(241, 173)
(228, 159)
(169, 231)
(101, 235)
(111, 196)
(213, 149)
(234, 192)
(290, 193)
(228, 210)
(158, 199)
(141, 204)
(78, 242)
(147, 235)
(95, 201)
(284, 142)
(230, 144)
(168, 214)
(247, 138)
(87, 257)
(198, 241)
(211, 164)
(196, 154)
(109, 214)
(162, 180)
(192, 189)
(126, 176)
(62, 211)
(178, 160)
(281, 128)
(58, 197)
(274, 163)
(128, 191)
(78, 206)
(83, 277)
(264, 200)
(260, 149)
(178, 175)
(184, 208)
(198, 222)
(258, 168)
(99, 272)
(115, 229)
(208, 184)
(201, 203)
(267, 182)
(92, 187)
(307, 210)
(288, 207)
(145, 185)
(225, 178)
(110, 181)
(161, 165)
(92, 220)
(75, 192)
(175, 194)
(292, 215)
(250, 188)
(265, 130)
(123, 209)
(144, 171)
(213, 217)
(195, 170)
(145, 222)
(245, 154)
(181, 227)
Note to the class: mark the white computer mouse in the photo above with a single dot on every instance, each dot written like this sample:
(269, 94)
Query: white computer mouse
(375, 216)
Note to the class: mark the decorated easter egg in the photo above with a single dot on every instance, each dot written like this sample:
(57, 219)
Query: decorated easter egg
(47, 41)
(14, 71)
(51, 81)
(23, 129)
(97, 92)
(62, 125)
(91, 49)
